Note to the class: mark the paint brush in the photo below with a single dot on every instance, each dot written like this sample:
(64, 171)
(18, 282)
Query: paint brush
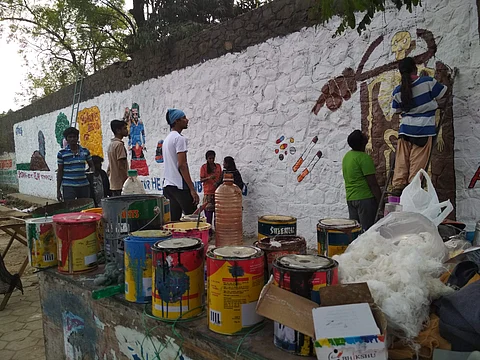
(306, 171)
(303, 156)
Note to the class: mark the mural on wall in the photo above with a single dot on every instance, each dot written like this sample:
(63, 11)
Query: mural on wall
(60, 125)
(90, 127)
(73, 328)
(8, 172)
(474, 179)
(283, 146)
(37, 160)
(378, 120)
(136, 140)
(159, 152)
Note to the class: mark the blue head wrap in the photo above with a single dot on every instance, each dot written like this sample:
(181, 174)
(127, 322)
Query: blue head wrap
(174, 115)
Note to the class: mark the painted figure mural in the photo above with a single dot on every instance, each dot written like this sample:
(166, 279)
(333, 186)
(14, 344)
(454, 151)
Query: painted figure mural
(136, 140)
(379, 121)
(90, 127)
(37, 160)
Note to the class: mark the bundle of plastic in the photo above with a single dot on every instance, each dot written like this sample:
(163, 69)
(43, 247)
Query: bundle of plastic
(401, 259)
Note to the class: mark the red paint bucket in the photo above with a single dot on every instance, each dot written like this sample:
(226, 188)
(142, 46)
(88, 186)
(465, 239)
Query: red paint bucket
(303, 275)
(77, 242)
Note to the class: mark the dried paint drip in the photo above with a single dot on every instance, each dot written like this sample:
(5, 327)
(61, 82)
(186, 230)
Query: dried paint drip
(235, 278)
(178, 273)
(303, 275)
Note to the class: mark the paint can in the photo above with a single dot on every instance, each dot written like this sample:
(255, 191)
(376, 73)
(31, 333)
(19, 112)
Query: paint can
(193, 218)
(41, 242)
(190, 229)
(67, 206)
(303, 275)
(279, 245)
(273, 225)
(138, 264)
(334, 235)
(235, 278)
(100, 228)
(128, 213)
(76, 235)
(178, 285)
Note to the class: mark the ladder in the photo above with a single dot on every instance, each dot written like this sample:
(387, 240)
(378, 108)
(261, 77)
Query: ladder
(77, 94)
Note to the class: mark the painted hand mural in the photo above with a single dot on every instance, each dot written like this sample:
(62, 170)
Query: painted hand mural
(90, 127)
(136, 140)
(377, 117)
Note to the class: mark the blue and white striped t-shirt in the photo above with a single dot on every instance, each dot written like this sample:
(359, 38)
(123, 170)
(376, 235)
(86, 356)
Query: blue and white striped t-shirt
(74, 166)
(420, 120)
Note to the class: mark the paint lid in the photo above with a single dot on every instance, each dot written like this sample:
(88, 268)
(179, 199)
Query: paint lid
(313, 262)
(76, 218)
(239, 252)
(132, 173)
(279, 218)
(185, 226)
(338, 223)
(193, 218)
(42, 220)
(183, 243)
(152, 234)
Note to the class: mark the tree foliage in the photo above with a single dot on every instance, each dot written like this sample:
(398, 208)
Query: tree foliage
(67, 37)
(346, 9)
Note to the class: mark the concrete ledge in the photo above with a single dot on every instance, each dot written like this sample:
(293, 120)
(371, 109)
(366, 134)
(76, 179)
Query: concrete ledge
(30, 200)
(112, 328)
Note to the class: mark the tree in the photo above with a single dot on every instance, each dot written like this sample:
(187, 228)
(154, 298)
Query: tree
(346, 9)
(68, 37)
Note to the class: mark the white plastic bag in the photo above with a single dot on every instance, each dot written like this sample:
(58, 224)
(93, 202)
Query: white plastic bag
(425, 202)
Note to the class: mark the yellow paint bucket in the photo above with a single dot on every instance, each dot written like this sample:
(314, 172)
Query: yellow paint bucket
(76, 242)
(235, 278)
(334, 235)
(42, 245)
(100, 227)
(178, 278)
(273, 225)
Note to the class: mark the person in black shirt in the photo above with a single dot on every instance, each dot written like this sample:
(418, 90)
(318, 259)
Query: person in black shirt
(229, 167)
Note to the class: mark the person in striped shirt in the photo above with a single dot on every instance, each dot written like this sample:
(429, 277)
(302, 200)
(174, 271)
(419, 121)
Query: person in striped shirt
(416, 100)
(72, 182)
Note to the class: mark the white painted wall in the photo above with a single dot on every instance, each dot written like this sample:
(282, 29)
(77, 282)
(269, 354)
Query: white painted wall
(239, 104)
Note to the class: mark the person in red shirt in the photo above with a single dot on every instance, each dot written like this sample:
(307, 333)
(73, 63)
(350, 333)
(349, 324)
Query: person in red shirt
(210, 175)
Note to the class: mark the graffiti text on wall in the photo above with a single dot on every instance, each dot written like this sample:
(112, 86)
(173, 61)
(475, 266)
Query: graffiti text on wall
(156, 184)
(36, 175)
(475, 178)
(6, 164)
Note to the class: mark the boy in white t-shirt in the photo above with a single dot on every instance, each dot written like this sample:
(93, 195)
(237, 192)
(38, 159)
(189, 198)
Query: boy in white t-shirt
(178, 185)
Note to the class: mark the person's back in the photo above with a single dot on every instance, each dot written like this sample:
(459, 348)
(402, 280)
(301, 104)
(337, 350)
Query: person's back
(361, 187)
(355, 166)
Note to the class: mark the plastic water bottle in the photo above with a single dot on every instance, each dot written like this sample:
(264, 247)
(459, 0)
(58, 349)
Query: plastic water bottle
(132, 185)
(228, 213)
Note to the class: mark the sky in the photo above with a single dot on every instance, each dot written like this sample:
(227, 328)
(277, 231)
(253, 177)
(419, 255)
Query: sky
(13, 72)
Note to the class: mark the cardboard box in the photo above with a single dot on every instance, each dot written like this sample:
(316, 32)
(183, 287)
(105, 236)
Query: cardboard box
(297, 312)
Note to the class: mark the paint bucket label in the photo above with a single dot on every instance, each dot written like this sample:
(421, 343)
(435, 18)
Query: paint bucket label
(306, 282)
(42, 245)
(138, 264)
(273, 225)
(234, 286)
(334, 235)
(178, 272)
(77, 242)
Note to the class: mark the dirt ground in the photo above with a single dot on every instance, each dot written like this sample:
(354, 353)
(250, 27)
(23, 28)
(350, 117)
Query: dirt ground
(15, 256)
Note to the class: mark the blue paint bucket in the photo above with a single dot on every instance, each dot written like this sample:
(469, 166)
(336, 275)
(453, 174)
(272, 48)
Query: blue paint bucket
(138, 264)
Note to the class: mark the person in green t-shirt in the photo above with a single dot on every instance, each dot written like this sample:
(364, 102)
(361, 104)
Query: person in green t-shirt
(363, 192)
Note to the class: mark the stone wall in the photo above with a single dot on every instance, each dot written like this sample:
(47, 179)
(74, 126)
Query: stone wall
(255, 105)
(278, 18)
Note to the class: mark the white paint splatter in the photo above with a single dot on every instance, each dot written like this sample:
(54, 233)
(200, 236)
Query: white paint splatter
(98, 323)
(276, 244)
(135, 345)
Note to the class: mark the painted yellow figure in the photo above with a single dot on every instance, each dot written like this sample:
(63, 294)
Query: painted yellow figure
(90, 127)
(380, 99)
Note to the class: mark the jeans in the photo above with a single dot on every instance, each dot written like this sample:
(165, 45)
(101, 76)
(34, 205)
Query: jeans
(75, 192)
(180, 200)
(364, 211)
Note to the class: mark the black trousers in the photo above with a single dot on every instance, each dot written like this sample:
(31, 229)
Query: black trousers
(180, 201)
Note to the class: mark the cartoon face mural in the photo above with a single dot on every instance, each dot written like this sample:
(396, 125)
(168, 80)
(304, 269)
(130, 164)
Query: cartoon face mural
(90, 127)
(378, 120)
(136, 140)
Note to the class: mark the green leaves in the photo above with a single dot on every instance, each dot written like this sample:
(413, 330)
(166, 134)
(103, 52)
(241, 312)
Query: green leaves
(347, 10)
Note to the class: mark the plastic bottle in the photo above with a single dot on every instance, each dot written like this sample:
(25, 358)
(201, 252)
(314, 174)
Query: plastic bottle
(228, 213)
(393, 205)
(132, 185)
